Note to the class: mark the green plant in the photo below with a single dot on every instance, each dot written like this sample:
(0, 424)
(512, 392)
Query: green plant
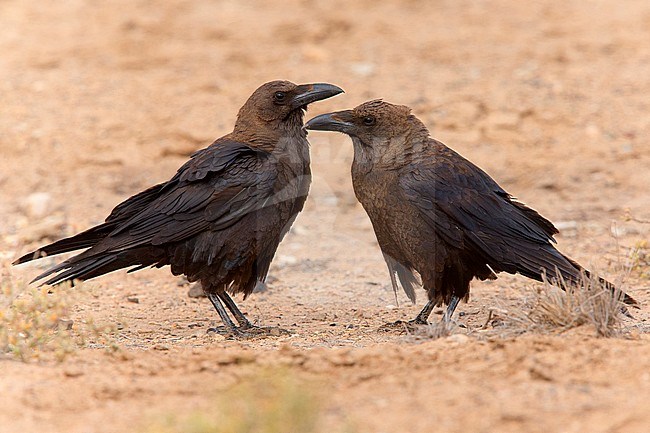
(639, 259)
(33, 321)
(275, 401)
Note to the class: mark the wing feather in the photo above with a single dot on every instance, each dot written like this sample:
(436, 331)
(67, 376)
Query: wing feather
(471, 212)
(212, 191)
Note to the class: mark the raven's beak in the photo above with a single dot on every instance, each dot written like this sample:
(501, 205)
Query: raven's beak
(340, 121)
(308, 93)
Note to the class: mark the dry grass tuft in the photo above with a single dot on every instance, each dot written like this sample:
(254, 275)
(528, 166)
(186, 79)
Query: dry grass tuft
(639, 259)
(34, 322)
(587, 303)
(434, 330)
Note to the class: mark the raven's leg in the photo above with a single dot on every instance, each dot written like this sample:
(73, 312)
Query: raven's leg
(411, 325)
(423, 317)
(244, 323)
(453, 303)
(227, 321)
(246, 329)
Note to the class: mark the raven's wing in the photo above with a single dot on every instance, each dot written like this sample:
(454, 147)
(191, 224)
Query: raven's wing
(213, 190)
(471, 212)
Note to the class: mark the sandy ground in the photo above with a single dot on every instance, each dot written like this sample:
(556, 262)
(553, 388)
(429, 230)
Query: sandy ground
(99, 100)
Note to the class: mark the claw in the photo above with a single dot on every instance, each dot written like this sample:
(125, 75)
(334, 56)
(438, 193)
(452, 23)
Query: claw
(249, 332)
(402, 326)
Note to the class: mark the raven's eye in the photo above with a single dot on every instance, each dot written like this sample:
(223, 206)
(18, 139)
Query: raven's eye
(279, 96)
(369, 120)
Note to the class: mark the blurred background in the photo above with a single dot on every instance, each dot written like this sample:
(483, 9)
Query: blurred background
(101, 99)
(549, 97)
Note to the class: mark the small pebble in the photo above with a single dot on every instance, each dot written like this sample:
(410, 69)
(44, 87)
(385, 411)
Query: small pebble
(566, 225)
(72, 372)
(363, 69)
(48, 227)
(196, 291)
(458, 338)
(66, 324)
(38, 204)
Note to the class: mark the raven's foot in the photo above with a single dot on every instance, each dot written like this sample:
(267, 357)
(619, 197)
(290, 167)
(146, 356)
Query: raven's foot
(246, 329)
(221, 330)
(416, 326)
(265, 331)
(249, 332)
(403, 327)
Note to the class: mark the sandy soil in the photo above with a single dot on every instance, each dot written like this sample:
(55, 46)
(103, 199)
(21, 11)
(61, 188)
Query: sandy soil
(99, 100)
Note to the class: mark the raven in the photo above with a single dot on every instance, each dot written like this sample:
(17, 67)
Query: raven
(221, 217)
(436, 213)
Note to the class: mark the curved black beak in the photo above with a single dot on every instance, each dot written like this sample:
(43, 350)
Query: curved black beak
(308, 93)
(340, 121)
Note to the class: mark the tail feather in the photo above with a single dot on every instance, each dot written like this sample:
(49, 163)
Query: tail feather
(80, 241)
(91, 237)
(627, 299)
(77, 270)
(88, 265)
(555, 265)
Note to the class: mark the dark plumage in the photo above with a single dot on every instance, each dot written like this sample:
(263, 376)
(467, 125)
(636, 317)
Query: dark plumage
(220, 219)
(436, 213)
